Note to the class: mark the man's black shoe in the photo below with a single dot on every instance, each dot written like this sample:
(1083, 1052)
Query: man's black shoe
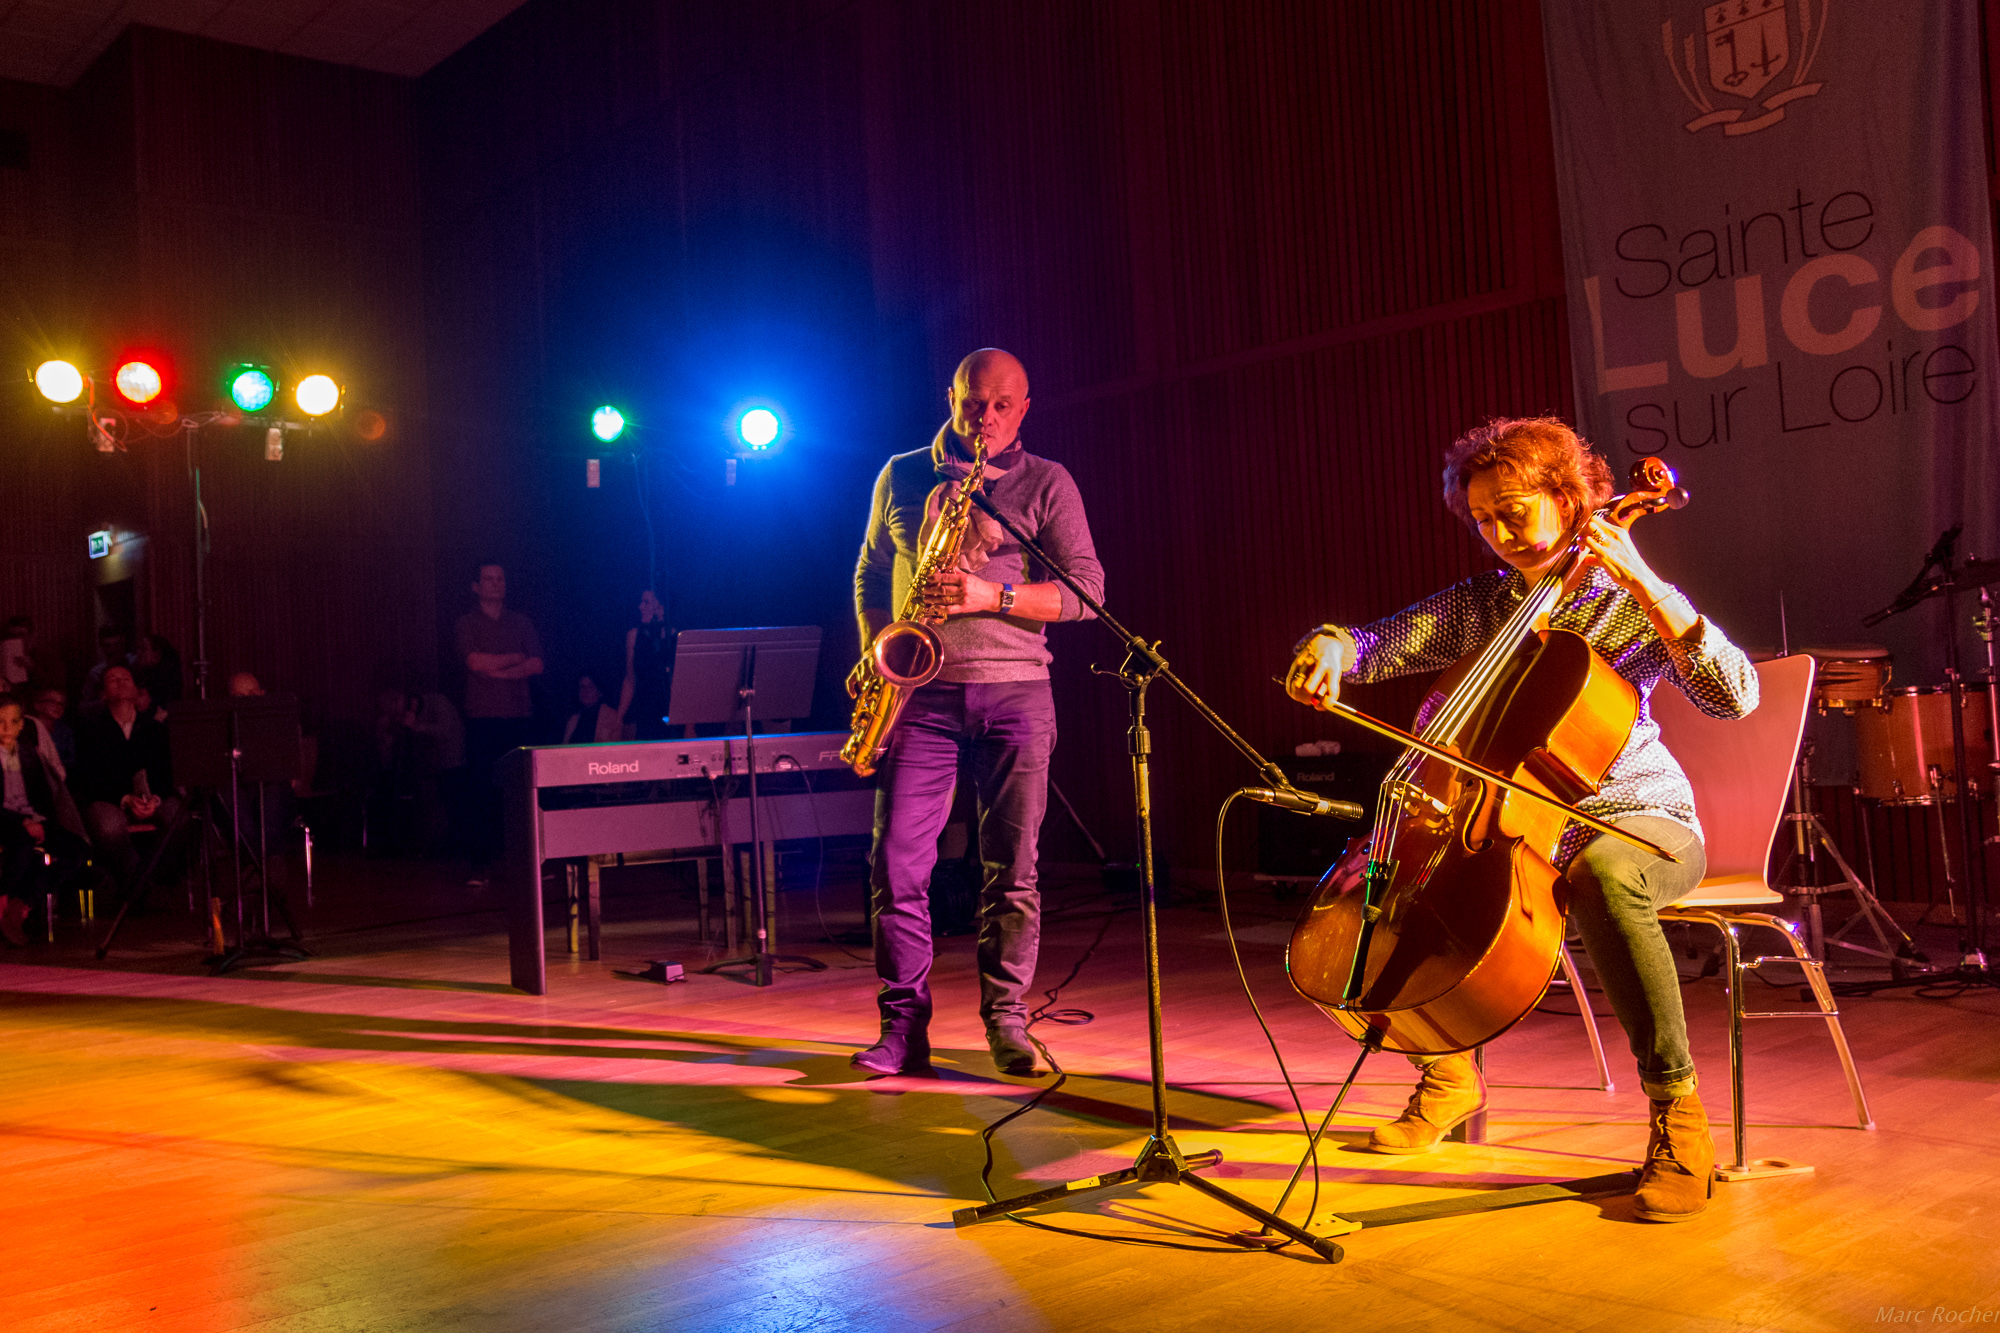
(1013, 1053)
(896, 1053)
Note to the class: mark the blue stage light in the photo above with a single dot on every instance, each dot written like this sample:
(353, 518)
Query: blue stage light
(758, 428)
(607, 423)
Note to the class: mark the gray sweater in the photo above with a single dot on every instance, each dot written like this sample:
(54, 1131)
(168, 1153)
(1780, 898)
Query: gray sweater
(1041, 499)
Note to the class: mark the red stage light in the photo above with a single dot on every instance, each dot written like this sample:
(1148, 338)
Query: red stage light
(138, 381)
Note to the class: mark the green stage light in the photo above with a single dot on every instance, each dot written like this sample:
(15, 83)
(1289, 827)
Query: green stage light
(252, 388)
(607, 423)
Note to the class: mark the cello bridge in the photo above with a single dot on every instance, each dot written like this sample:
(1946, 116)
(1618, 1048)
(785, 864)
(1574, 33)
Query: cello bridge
(1409, 793)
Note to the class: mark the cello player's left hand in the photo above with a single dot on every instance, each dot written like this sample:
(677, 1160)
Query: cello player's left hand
(1611, 546)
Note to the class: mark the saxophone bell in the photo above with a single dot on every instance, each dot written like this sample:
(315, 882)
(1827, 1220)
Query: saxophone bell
(908, 654)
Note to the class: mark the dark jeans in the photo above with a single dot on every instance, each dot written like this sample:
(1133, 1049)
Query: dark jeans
(1005, 732)
(1616, 892)
(486, 740)
(111, 833)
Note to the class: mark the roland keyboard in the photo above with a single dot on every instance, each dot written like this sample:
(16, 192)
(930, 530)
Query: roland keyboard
(568, 801)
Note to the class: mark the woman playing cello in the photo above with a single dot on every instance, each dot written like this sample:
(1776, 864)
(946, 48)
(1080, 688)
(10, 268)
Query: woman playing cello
(1523, 484)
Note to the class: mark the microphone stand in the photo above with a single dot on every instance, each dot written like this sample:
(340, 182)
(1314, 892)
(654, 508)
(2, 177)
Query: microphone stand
(1161, 1161)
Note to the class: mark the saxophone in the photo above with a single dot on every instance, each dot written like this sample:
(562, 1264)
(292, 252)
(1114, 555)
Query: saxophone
(907, 654)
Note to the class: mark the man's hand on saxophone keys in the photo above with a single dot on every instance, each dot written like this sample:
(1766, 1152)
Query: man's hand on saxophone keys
(955, 593)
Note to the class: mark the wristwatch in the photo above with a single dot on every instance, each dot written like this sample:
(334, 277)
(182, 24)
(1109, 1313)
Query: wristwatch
(1006, 598)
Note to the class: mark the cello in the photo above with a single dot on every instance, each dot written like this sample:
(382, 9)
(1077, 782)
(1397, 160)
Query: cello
(1438, 930)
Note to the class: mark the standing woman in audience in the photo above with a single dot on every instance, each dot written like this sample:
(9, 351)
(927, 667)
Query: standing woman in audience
(649, 664)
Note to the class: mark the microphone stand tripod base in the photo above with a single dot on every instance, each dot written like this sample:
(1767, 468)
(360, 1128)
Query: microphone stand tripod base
(1161, 1162)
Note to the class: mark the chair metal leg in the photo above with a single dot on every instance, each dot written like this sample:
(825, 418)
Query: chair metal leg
(1736, 970)
(1589, 1017)
(594, 934)
(1816, 978)
(569, 884)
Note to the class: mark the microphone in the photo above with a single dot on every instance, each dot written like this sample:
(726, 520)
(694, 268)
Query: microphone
(1304, 802)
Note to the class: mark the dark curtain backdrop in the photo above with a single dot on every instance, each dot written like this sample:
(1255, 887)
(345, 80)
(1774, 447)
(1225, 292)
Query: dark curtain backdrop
(1263, 261)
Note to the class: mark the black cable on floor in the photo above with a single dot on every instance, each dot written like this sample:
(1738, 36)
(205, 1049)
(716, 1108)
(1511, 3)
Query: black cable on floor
(1048, 1013)
(819, 873)
(1243, 978)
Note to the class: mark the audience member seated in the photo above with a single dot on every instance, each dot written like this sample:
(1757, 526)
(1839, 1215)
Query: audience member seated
(111, 652)
(156, 665)
(122, 773)
(593, 720)
(41, 838)
(419, 758)
(143, 700)
(50, 703)
(17, 655)
(276, 804)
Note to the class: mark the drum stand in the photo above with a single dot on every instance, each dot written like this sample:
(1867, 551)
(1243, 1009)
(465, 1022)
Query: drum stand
(1982, 624)
(1944, 576)
(1809, 837)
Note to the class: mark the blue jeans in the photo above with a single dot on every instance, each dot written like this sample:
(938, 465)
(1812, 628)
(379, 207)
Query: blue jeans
(1005, 732)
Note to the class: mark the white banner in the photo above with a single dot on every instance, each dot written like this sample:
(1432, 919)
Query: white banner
(1777, 241)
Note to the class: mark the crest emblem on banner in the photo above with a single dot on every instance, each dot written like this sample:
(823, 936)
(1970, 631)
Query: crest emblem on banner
(1747, 45)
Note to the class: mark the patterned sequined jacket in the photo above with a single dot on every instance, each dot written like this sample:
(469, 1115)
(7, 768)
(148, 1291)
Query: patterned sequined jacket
(1644, 779)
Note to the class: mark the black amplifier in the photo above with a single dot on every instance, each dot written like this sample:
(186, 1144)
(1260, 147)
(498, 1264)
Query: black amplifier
(1290, 844)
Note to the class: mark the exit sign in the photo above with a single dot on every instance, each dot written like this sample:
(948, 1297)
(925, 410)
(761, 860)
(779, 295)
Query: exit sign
(100, 544)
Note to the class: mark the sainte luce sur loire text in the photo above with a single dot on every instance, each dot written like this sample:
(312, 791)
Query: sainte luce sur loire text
(1835, 322)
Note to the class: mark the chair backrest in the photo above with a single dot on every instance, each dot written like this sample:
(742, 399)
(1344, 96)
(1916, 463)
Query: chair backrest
(1741, 769)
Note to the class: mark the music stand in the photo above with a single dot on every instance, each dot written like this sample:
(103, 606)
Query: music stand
(217, 745)
(719, 676)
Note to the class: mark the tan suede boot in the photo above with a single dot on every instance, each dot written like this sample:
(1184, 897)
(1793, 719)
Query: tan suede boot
(1679, 1176)
(1448, 1094)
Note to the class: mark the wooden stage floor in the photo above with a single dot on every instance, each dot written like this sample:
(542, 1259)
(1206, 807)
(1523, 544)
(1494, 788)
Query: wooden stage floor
(386, 1137)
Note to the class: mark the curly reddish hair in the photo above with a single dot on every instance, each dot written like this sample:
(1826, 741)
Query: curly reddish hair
(1543, 452)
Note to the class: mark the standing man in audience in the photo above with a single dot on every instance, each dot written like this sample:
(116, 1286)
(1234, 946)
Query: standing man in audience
(122, 775)
(989, 707)
(501, 652)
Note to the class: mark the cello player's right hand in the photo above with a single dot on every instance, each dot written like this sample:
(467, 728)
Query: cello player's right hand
(1314, 677)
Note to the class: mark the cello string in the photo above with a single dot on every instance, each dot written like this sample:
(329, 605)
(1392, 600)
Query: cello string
(1445, 724)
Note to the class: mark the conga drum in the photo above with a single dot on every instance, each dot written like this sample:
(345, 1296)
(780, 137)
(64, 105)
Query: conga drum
(1906, 737)
(1849, 677)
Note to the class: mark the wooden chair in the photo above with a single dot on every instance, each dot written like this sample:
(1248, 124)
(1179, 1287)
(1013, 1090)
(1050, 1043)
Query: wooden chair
(1742, 773)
